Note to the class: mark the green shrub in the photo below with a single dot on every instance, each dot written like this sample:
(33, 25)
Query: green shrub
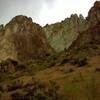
(64, 61)
(71, 70)
(39, 91)
(20, 67)
(80, 62)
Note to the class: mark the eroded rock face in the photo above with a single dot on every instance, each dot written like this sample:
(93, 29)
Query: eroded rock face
(23, 40)
(61, 35)
(90, 39)
(94, 14)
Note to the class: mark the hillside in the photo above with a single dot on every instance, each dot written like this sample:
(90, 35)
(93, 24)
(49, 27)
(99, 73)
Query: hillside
(89, 40)
(56, 62)
(23, 40)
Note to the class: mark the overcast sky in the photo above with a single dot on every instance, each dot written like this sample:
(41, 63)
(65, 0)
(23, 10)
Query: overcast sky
(43, 11)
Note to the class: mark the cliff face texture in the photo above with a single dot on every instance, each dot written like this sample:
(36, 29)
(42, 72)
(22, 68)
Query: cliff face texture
(22, 40)
(91, 37)
(94, 14)
(60, 35)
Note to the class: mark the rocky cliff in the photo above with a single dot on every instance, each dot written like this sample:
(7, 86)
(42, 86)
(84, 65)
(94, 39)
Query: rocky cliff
(89, 40)
(22, 40)
(94, 14)
(66, 75)
(60, 35)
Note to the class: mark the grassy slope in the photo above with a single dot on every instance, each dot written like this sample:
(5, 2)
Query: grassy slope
(76, 83)
(83, 83)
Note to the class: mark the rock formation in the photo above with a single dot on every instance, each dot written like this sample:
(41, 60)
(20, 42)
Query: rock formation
(60, 35)
(94, 14)
(22, 40)
(90, 39)
(76, 71)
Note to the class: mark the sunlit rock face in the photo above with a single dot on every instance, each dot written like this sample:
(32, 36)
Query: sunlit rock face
(61, 35)
(22, 40)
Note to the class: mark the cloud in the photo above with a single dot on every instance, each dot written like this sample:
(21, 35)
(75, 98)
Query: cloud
(64, 8)
(50, 3)
(11, 8)
(43, 11)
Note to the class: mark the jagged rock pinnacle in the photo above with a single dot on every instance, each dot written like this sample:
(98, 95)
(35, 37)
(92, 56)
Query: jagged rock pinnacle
(23, 40)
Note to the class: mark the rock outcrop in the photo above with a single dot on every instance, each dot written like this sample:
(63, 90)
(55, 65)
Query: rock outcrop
(90, 39)
(22, 40)
(60, 35)
(94, 14)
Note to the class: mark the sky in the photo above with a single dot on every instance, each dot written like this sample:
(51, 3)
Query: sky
(43, 11)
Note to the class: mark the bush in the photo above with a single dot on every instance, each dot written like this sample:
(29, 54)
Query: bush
(64, 61)
(39, 91)
(20, 67)
(82, 62)
(71, 70)
(97, 69)
(79, 62)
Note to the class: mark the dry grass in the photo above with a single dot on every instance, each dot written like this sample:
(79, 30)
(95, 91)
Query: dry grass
(83, 83)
